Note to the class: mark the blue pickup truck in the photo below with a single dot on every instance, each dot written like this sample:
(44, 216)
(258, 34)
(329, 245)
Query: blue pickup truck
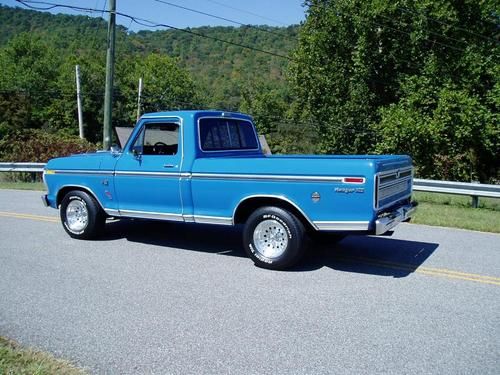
(208, 167)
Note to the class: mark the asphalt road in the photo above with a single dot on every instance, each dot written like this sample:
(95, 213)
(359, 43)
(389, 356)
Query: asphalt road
(164, 298)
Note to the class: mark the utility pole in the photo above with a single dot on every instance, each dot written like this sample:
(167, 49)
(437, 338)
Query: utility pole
(110, 68)
(79, 102)
(139, 99)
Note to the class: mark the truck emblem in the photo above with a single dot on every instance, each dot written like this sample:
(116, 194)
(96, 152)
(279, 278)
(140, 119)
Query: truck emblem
(315, 197)
(349, 190)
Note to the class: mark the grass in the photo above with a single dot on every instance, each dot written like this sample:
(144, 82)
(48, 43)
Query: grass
(456, 211)
(22, 185)
(17, 360)
(456, 200)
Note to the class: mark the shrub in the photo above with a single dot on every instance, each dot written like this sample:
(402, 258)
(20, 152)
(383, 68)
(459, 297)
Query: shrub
(40, 146)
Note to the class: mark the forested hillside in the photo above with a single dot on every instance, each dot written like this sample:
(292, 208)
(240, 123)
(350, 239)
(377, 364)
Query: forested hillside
(359, 76)
(221, 70)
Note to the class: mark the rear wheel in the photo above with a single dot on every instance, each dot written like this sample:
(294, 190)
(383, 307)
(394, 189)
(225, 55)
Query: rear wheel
(274, 238)
(81, 215)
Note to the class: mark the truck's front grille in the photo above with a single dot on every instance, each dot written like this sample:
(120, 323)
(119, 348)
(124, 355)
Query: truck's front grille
(392, 186)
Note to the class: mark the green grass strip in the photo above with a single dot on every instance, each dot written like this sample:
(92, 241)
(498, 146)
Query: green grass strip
(480, 219)
(17, 360)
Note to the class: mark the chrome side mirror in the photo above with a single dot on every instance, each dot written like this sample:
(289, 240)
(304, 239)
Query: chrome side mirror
(115, 149)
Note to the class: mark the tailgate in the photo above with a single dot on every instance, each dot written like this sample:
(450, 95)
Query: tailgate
(393, 182)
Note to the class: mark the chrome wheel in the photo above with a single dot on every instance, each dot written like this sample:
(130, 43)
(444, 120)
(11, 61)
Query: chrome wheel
(77, 215)
(270, 238)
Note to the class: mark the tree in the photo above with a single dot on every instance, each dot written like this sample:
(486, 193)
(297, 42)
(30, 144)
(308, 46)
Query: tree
(166, 86)
(27, 77)
(404, 76)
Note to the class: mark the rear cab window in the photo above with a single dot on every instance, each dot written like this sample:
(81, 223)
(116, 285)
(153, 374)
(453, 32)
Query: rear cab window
(225, 134)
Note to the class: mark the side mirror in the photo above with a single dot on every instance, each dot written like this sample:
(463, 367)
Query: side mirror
(115, 149)
(137, 154)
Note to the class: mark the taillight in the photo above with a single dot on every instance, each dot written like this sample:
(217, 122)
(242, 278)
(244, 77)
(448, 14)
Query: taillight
(354, 180)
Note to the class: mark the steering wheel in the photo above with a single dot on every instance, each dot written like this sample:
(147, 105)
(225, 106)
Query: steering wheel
(160, 148)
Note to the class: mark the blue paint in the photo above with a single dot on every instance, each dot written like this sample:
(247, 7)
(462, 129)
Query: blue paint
(191, 183)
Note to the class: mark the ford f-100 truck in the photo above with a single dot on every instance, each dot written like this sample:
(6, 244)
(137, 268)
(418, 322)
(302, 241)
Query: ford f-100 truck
(208, 167)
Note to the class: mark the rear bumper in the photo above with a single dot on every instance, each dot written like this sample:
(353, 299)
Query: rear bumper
(390, 220)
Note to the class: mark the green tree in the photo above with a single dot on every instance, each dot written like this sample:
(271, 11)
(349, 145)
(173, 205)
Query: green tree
(166, 86)
(404, 76)
(27, 82)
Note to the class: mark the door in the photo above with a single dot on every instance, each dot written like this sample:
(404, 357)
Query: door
(147, 175)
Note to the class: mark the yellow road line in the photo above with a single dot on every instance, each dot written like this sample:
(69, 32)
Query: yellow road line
(410, 267)
(424, 270)
(439, 272)
(50, 219)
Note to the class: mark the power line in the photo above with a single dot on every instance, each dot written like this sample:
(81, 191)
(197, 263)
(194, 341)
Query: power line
(247, 12)
(429, 40)
(219, 17)
(151, 24)
(405, 24)
(406, 10)
(148, 23)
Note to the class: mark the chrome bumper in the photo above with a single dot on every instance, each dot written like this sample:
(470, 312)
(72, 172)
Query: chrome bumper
(389, 221)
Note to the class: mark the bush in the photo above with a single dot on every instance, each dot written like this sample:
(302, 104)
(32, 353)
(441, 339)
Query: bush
(40, 146)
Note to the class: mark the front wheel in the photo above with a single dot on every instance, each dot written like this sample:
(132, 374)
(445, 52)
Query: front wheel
(81, 215)
(274, 238)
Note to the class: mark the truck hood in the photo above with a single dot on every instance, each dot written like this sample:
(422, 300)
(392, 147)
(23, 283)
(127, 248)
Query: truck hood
(88, 161)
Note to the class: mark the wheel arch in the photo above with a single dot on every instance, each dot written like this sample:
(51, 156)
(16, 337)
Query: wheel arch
(249, 204)
(67, 188)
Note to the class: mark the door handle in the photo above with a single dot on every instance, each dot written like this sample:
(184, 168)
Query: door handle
(169, 166)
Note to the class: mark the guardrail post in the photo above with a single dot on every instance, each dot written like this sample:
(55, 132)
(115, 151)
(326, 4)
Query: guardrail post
(475, 201)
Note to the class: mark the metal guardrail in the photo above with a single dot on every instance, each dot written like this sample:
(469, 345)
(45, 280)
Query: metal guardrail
(460, 188)
(22, 167)
(475, 190)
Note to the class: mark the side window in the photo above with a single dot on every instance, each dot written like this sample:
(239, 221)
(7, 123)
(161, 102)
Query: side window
(158, 139)
(219, 134)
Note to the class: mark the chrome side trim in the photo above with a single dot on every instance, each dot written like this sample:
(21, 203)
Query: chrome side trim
(83, 171)
(148, 174)
(151, 215)
(231, 176)
(279, 197)
(188, 218)
(213, 220)
(171, 217)
(112, 212)
(213, 176)
(343, 225)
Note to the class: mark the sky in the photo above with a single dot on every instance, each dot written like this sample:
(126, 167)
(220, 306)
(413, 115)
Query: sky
(254, 12)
